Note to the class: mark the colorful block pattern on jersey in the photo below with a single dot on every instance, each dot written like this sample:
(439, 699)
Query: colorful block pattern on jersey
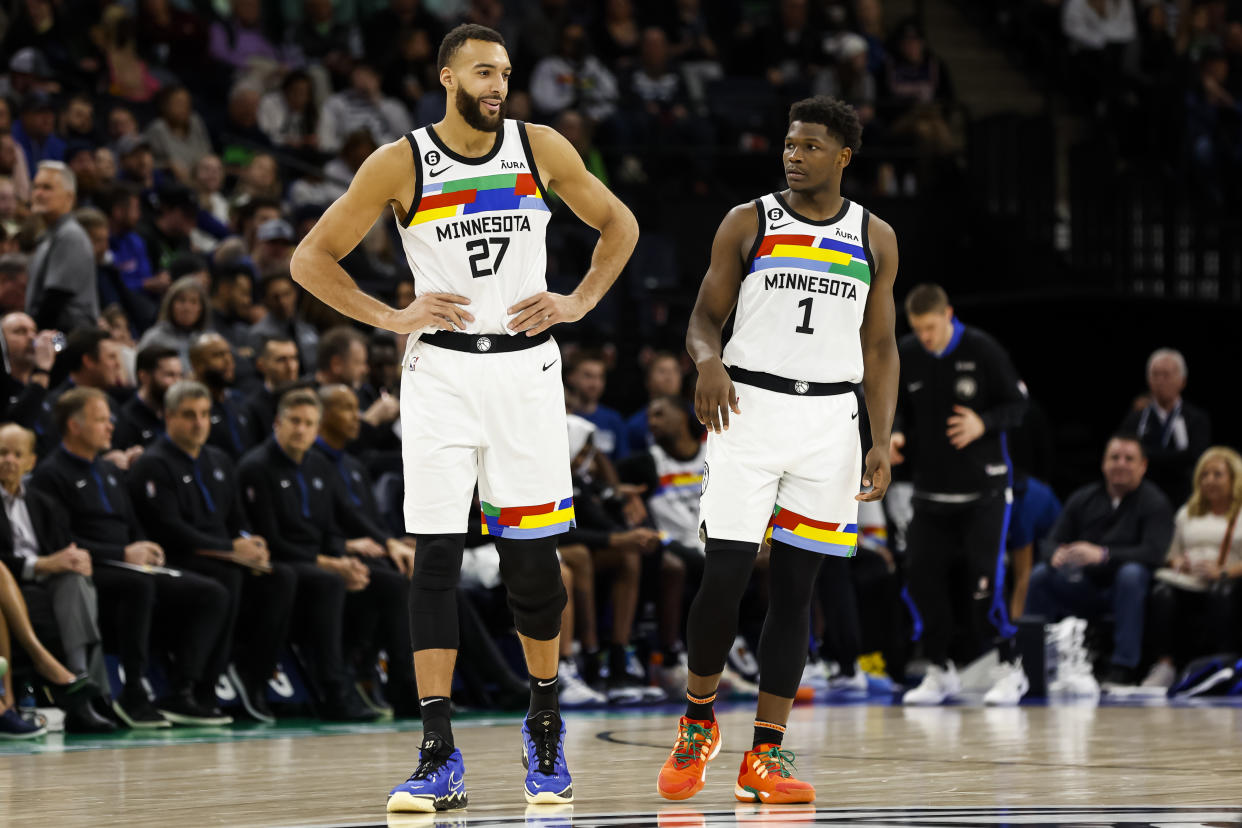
(680, 482)
(519, 522)
(836, 539)
(826, 255)
(487, 193)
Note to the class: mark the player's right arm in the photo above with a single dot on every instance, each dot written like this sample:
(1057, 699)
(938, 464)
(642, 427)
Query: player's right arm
(714, 395)
(385, 178)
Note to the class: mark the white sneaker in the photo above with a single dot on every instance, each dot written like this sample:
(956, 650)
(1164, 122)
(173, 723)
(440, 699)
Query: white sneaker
(937, 687)
(1161, 674)
(743, 661)
(734, 686)
(815, 676)
(574, 691)
(671, 677)
(1010, 687)
(843, 685)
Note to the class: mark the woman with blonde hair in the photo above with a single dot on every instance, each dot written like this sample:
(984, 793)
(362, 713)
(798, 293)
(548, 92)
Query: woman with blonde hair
(184, 315)
(1192, 612)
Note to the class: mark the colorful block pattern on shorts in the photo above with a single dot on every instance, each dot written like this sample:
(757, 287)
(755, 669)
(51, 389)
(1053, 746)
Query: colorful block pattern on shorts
(519, 522)
(837, 539)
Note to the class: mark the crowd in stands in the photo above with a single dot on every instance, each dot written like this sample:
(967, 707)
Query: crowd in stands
(173, 401)
(1161, 78)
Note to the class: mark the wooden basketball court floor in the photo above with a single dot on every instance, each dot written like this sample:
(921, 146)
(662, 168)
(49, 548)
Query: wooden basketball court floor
(876, 765)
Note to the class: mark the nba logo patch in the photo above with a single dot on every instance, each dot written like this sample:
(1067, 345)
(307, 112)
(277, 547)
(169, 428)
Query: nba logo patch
(413, 363)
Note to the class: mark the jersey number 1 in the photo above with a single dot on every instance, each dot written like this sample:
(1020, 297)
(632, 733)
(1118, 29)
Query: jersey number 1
(480, 250)
(805, 327)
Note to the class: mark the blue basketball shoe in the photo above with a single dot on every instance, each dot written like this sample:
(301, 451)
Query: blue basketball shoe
(438, 784)
(543, 756)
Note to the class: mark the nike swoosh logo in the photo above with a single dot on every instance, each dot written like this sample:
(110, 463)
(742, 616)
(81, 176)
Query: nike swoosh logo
(442, 170)
(854, 416)
(547, 683)
(549, 365)
(779, 226)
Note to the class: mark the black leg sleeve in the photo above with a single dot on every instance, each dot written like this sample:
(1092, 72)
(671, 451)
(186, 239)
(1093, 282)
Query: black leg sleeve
(712, 625)
(532, 575)
(787, 629)
(433, 592)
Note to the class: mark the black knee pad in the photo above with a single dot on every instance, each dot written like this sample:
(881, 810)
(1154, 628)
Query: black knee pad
(433, 592)
(532, 575)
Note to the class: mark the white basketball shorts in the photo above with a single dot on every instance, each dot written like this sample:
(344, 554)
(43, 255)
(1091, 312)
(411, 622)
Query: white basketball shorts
(788, 467)
(498, 418)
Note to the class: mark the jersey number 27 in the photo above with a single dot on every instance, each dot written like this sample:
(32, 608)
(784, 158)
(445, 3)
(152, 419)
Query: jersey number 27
(481, 251)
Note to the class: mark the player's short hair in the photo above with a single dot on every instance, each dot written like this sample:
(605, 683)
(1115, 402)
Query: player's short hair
(455, 39)
(336, 343)
(150, 357)
(184, 390)
(297, 398)
(1129, 437)
(71, 404)
(838, 117)
(926, 298)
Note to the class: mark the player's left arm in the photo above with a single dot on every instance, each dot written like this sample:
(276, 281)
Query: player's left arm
(881, 367)
(561, 169)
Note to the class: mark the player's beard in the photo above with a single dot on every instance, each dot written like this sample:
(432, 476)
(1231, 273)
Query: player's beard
(471, 109)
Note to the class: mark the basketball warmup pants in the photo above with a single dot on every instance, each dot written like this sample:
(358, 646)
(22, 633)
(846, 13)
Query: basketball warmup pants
(956, 560)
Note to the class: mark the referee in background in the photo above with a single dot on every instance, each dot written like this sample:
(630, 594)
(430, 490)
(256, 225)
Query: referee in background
(959, 395)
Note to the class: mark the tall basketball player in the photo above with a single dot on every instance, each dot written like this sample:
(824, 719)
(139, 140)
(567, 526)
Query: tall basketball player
(481, 395)
(811, 274)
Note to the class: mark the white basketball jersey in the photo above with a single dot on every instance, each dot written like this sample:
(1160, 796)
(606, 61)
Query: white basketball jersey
(477, 225)
(803, 294)
(674, 506)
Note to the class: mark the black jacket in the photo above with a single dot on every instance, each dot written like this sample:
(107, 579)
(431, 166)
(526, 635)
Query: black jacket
(1138, 529)
(187, 504)
(358, 488)
(1168, 467)
(136, 425)
(51, 527)
(975, 372)
(298, 508)
(21, 403)
(101, 517)
(231, 430)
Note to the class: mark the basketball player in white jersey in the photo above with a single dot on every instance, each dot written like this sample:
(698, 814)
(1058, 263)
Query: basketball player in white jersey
(811, 275)
(481, 395)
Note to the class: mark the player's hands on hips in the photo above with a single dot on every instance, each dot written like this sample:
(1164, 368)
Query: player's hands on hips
(543, 310)
(432, 310)
(965, 426)
(714, 396)
(877, 475)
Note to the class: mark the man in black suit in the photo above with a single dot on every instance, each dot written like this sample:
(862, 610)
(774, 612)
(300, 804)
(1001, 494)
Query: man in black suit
(192, 609)
(293, 499)
(277, 364)
(54, 576)
(211, 360)
(187, 498)
(1174, 433)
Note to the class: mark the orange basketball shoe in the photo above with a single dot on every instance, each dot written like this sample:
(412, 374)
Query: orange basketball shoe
(685, 770)
(766, 776)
